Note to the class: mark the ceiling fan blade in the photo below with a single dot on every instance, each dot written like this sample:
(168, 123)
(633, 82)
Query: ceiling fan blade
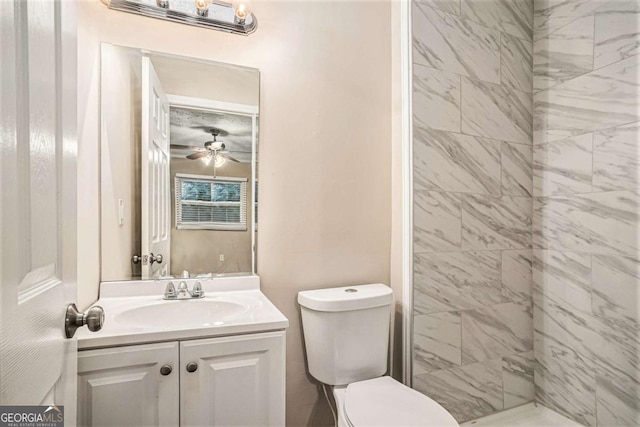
(228, 157)
(235, 151)
(195, 156)
(186, 147)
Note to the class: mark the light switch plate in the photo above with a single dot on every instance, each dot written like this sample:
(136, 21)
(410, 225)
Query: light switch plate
(120, 212)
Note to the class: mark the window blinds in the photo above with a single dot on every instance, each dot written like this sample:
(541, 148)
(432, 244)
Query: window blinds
(207, 203)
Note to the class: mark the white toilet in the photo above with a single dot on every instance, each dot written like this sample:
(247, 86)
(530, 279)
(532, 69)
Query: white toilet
(346, 333)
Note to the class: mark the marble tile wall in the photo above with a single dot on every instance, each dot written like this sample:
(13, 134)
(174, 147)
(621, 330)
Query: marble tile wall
(586, 219)
(473, 187)
(527, 206)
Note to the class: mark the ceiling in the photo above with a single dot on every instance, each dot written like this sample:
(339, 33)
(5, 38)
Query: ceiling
(190, 127)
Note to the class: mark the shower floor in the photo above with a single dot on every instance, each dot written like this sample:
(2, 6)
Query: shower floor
(529, 415)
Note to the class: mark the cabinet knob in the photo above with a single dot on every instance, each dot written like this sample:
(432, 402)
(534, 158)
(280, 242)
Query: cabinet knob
(166, 370)
(192, 367)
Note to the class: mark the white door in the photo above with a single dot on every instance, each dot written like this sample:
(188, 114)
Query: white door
(37, 202)
(129, 386)
(233, 381)
(156, 200)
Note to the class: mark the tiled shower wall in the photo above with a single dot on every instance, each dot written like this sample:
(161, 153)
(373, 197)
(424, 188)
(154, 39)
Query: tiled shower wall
(586, 269)
(472, 106)
(476, 263)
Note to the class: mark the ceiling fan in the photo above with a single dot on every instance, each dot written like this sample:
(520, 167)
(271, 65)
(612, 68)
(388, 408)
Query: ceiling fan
(211, 150)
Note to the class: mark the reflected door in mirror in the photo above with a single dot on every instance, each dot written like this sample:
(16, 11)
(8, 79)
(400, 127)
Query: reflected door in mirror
(156, 201)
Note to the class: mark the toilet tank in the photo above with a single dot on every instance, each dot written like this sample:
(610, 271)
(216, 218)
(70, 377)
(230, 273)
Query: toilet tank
(346, 332)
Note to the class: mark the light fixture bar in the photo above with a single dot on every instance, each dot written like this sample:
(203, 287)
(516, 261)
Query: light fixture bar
(141, 7)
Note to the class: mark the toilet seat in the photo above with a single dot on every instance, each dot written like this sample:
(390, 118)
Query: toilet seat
(386, 402)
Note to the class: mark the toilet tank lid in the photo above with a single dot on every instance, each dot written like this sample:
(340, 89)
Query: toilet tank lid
(346, 298)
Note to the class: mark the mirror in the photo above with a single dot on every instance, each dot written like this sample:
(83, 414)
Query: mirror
(179, 144)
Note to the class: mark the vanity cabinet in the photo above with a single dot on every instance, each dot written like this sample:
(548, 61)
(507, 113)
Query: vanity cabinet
(226, 381)
(239, 381)
(124, 386)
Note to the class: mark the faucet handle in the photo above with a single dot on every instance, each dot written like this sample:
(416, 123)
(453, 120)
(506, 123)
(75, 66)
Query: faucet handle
(197, 292)
(170, 291)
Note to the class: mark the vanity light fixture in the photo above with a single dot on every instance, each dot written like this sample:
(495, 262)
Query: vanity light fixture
(235, 18)
(202, 7)
(242, 9)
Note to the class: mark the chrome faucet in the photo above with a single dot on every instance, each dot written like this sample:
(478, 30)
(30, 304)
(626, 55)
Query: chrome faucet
(197, 291)
(170, 291)
(183, 291)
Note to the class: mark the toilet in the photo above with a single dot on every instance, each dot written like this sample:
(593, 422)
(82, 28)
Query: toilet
(346, 333)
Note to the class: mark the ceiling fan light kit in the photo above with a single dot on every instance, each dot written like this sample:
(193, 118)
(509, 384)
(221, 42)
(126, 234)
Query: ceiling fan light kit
(212, 150)
(206, 159)
(219, 160)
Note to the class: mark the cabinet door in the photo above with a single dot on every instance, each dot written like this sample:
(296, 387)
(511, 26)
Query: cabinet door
(123, 386)
(239, 381)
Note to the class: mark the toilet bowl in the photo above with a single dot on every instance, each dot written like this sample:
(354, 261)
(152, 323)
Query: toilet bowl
(346, 333)
(386, 402)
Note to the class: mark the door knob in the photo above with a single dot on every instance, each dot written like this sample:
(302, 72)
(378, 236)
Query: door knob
(93, 318)
(155, 258)
(192, 367)
(166, 370)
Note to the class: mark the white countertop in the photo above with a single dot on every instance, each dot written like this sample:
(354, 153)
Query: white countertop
(249, 311)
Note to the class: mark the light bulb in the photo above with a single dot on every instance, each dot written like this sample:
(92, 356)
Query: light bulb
(207, 159)
(202, 7)
(220, 160)
(242, 9)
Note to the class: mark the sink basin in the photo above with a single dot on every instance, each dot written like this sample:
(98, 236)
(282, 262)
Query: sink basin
(187, 313)
(135, 312)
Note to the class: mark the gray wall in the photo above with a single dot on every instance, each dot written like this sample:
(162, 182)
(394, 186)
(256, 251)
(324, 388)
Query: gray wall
(472, 123)
(585, 209)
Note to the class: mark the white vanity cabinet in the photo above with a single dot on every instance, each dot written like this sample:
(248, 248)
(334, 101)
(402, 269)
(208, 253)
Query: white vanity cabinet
(225, 381)
(124, 386)
(239, 381)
